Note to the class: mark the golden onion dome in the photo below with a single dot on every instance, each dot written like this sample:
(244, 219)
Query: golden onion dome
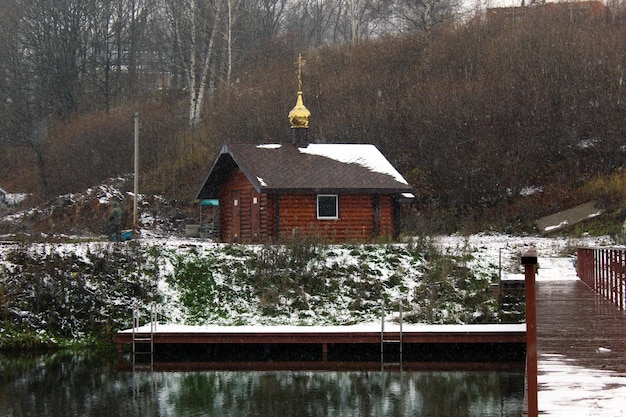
(299, 115)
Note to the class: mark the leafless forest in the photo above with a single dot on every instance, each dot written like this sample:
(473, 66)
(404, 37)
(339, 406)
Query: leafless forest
(474, 108)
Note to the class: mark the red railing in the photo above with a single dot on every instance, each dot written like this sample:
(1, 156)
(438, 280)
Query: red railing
(604, 271)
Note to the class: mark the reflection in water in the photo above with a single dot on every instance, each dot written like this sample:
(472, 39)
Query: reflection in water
(88, 385)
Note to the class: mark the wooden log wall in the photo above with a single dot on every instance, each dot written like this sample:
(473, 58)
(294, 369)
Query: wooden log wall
(362, 217)
(298, 217)
(236, 222)
(386, 216)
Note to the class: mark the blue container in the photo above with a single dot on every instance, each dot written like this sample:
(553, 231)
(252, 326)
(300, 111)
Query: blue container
(124, 236)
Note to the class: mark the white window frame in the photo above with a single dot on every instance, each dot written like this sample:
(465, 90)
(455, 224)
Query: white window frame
(336, 216)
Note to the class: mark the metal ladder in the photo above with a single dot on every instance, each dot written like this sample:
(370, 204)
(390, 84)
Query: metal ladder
(143, 338)
(384, 339)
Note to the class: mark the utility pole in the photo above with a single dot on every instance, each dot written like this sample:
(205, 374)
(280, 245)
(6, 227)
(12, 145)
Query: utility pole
(136, 179)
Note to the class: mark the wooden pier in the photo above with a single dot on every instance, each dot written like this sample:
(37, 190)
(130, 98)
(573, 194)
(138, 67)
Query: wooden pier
(477, 333)
(339, 343)
(581, 344)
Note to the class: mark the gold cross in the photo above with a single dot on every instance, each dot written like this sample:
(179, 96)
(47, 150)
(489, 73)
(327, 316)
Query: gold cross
(299, 63)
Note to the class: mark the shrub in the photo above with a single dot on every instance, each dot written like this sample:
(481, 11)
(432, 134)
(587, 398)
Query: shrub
(71, 296)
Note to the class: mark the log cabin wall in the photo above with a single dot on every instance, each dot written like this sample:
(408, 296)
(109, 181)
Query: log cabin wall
(242, 212)
(264, 226)
(271, 215)
(247, 216)
(357, 218)
(386, 216)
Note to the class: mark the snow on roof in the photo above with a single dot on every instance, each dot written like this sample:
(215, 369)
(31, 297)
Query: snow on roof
(366, 155)
(269, 146)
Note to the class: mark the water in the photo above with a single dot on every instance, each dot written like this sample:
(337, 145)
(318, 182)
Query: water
(86, 384)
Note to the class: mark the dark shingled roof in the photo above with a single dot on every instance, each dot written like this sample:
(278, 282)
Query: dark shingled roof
(327, 168)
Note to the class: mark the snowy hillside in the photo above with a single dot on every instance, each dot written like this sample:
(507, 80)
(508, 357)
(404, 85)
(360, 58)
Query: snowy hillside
(87, 290)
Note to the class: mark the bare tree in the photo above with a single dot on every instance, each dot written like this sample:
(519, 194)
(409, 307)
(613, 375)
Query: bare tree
(44, 46)
(195, 26)
(358, 19)
(270, 15)
(54, 37)
(423, 15)
(315, 21)
(117, 44)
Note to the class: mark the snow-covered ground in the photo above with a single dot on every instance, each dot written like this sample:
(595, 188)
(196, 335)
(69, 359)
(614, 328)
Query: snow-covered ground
(556, 256)
(11, 199)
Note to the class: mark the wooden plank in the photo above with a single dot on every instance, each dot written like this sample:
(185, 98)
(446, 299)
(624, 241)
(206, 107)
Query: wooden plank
(575, 322)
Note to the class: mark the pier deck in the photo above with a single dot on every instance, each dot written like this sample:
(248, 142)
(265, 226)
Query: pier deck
(582, 351)
(337, 343)
(358, 334)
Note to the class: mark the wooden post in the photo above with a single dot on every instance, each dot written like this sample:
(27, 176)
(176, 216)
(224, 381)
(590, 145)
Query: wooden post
(589, 271)
(580, 265)
(612, 265)
(596, 270)
(620, 283)
(604, 274)
(529, 260)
